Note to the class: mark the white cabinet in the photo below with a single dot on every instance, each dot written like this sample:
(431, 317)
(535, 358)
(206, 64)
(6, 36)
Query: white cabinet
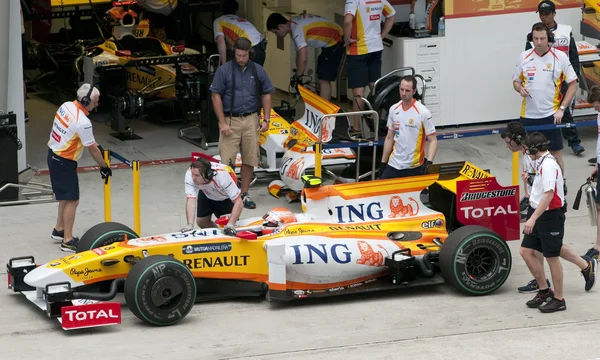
(425, 56)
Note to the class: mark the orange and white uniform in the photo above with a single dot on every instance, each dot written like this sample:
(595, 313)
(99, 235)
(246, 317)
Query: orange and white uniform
(71, 131)
(233, 27)
(411, 127)
(366, 25)
(542, 77)
(223, 186)
(315, 31)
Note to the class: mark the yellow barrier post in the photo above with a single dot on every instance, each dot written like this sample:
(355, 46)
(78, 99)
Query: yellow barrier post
(515, 168)
(107, 205)
(135, 165)
(318, 155)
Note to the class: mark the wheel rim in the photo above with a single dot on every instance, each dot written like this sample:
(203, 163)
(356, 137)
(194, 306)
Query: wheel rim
(480, 263)
(166, 293)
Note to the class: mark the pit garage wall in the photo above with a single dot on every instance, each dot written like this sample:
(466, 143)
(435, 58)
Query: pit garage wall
(478, 56)
(11, 69)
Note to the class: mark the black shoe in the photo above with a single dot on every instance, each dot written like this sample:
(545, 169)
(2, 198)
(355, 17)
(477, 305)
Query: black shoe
(589, 274)
(591, 253)
(247, 200)
(531, 287)
(540, 298)
(553, 305)
(592, 161)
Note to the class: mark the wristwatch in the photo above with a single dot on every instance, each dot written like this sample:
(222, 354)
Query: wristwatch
(562, 107)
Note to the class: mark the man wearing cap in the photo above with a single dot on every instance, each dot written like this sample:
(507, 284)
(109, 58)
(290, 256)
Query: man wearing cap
(563, 41)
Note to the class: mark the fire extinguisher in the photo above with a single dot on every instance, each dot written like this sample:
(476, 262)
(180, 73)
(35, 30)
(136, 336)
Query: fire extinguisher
(590, 199)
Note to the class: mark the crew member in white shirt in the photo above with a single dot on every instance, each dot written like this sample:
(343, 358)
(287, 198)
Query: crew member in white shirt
(409, 125)
(211, 188)
(537, 78)
(545, 227)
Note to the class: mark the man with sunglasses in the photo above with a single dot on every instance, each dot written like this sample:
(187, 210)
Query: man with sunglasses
(544, 229)
(212, 188)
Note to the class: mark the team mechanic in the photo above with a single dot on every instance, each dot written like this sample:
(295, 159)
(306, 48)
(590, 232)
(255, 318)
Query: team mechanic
(211, 188)
(563, 41)
(514, 136)
(409, 123)
(229, 27)
(545, 228)
(363, 38)
(537, 78)
(318, 33)
(71, 132)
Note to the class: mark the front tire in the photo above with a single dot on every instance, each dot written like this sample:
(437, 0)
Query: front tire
(475, 260)
(160, 290)
(104, 234)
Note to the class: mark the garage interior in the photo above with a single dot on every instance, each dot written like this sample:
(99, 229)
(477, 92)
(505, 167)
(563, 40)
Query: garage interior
(146, 136)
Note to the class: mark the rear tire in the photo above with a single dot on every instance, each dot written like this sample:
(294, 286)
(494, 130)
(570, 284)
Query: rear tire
(160, 290)
(475, 260)
(104, 234)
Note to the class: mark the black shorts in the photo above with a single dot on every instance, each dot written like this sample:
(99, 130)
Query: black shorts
(206, 207)
(363, 69)
(391, 172)
(260, 53)
(329, 60)
(63, 176)
(554, 135)
(548, 232)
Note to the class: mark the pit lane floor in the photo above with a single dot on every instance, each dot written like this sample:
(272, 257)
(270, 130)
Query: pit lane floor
(432, 322)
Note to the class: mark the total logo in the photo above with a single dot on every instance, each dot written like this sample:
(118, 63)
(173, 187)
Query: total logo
(474, 213)
(434, 223)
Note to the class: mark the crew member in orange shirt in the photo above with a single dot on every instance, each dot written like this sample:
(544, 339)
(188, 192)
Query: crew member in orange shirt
(229, 27)
(71, 132)
(316, 32)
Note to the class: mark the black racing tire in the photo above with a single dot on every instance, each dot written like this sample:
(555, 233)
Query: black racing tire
(104, 234)
(475, 260)
(160, 290)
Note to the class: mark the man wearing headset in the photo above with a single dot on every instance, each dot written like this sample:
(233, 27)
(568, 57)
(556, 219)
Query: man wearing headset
(514, 135)
(563, 41)
(544, 230)
(211, 188)
(237, 107)
(71, 132)
(537, 78)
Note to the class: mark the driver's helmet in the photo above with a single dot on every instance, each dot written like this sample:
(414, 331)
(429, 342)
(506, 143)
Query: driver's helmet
(278, 216)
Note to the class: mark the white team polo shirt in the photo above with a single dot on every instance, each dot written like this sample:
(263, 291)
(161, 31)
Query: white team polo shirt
(71, 131)
(542, 76)
(411, 127)
(549, 177)
(366, 25)
(223, 185)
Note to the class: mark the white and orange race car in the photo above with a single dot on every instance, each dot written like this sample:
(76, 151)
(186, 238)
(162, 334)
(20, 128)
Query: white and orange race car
(350, 238)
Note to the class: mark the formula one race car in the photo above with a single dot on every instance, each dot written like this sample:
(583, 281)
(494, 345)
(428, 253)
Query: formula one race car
(351, 238)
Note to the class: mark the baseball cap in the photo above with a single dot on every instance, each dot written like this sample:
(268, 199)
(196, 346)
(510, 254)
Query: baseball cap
(546, 6)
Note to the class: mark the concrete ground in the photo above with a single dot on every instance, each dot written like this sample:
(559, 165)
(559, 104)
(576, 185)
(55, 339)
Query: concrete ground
(422, 323)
